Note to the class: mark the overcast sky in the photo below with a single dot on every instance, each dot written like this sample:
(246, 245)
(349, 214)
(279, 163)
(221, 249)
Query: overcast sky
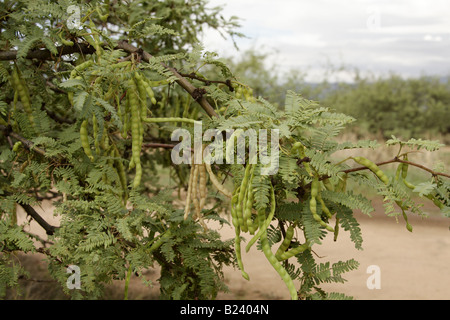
(407, 37)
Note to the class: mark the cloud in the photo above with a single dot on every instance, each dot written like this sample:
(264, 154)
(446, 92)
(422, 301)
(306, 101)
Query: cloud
(410, 37)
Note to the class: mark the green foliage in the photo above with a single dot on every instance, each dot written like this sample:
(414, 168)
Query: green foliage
(103, 227)
(315, 274)
(79, 129)
(10, 272)
(417, 144)
(404, 107)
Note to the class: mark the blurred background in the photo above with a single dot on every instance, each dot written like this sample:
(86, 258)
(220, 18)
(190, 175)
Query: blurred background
(387, 63)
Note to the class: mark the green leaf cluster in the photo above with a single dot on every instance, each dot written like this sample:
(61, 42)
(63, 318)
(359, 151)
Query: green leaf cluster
(70, 134)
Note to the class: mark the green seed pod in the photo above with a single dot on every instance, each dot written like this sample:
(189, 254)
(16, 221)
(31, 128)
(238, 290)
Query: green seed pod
(405, 168)
(82, 66)
(313, 209)
(398, 172)
(65, 41)
(159, 241)
(342, 184)
(238, 93)
(23, 94)
(249, 204)
(242, 193)
(237, 238)
(315, 186)
(262, 212)
(94, 40)
(265, 246)
(15, 100)
(293, 252)
(328, 185)
(313, 206)
(148, 87)
(380, 174)
(324, 207)
(17, 146)
(436, 202)
(409, 185)
(286, 241)
(336, 229)
(85, 139)
(95, 132)
(372, 167)
(296, 146)
(408, 226)
(216, 182)
(103, 17)
(137, 176)
(298, 149)
(135, 131)
(189, 192)
(141, 86)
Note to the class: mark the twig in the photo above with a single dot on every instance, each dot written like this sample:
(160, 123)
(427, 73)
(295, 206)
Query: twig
(434, 173)
(38, 238)
(55, 88)
(206, 81)
(47, 253)
(158, 145)
(27, 143)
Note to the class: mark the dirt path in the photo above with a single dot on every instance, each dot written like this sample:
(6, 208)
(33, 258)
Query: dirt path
(412, 265)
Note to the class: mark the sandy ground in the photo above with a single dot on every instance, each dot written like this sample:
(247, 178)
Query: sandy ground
(412, 265)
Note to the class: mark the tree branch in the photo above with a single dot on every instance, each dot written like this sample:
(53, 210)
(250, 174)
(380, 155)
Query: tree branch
(434, 173)
(49, 229)
(45, 54)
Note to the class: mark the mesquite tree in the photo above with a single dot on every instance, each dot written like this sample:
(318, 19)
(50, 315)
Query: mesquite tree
(94, 94)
